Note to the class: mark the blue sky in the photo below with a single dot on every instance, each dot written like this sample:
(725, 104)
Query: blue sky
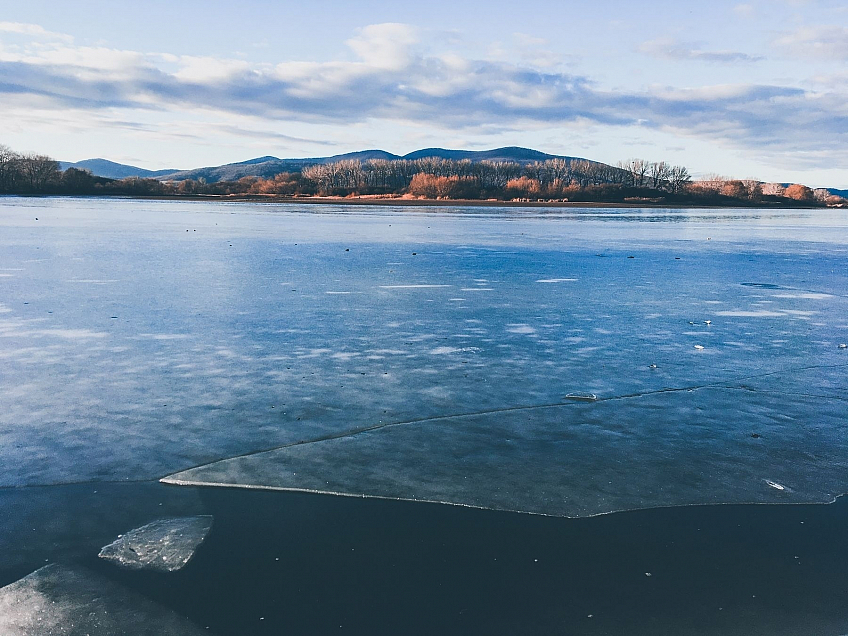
(751, 89)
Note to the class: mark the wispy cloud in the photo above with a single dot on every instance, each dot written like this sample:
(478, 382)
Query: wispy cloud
(671, 49)
(744, 10)
(265, 135)
(823, 42)
(33, 30)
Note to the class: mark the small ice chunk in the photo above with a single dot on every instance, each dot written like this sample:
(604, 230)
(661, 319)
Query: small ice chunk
(165, 545)
(581, 397)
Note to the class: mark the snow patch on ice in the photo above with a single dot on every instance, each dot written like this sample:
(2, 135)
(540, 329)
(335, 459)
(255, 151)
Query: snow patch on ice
(751, 314)
(521, 328)
(440, 351)
(93, 281)
(412, 286)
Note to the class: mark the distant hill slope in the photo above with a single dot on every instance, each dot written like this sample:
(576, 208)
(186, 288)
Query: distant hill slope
(112, 170)
(269, 166)
(362, 155)
(839, 193)
(262, 167)
(511, 153)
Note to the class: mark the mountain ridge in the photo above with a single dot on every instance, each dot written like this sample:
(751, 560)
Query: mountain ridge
(269, 166)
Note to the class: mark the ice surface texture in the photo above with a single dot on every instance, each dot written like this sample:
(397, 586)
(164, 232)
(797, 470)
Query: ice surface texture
(64, 601)
(133, 349)
(166, 545)
(711, 445)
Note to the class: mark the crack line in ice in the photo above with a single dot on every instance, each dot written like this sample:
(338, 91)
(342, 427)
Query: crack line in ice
(750, 389)
(718, 384)
(776, 288)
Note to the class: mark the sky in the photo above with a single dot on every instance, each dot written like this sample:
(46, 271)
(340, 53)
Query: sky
(755, 89)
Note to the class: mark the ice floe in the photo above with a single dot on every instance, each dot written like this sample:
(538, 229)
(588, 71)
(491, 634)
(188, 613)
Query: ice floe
(59, 600)
(166, 545)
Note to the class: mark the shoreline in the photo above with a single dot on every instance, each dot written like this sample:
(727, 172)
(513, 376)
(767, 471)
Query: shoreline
(406, 202)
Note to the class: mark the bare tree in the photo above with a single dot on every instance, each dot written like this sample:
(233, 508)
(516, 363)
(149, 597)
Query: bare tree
(38, 171)
(678, 177)
(8, 168)
(638, 169)
(658, 173)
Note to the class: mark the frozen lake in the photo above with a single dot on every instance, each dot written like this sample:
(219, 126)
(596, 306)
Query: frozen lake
(561, 362)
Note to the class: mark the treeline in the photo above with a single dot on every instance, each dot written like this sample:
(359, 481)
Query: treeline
(436, 178)
(38, 174)
(26, 172)
(636, 180)
(578, 180)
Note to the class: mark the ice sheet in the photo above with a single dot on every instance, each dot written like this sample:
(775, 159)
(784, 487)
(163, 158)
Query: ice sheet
(224, 341)
(164, 545)
(59, 600)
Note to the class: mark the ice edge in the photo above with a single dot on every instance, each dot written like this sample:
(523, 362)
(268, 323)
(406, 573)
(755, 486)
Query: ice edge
(175, 481)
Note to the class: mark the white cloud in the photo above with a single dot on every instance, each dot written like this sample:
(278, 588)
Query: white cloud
(90, 58)
(209, 69)
(386, 46)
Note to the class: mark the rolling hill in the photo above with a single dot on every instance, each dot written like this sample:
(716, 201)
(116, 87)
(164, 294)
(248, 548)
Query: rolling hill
(112, 170)
(269, 166)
